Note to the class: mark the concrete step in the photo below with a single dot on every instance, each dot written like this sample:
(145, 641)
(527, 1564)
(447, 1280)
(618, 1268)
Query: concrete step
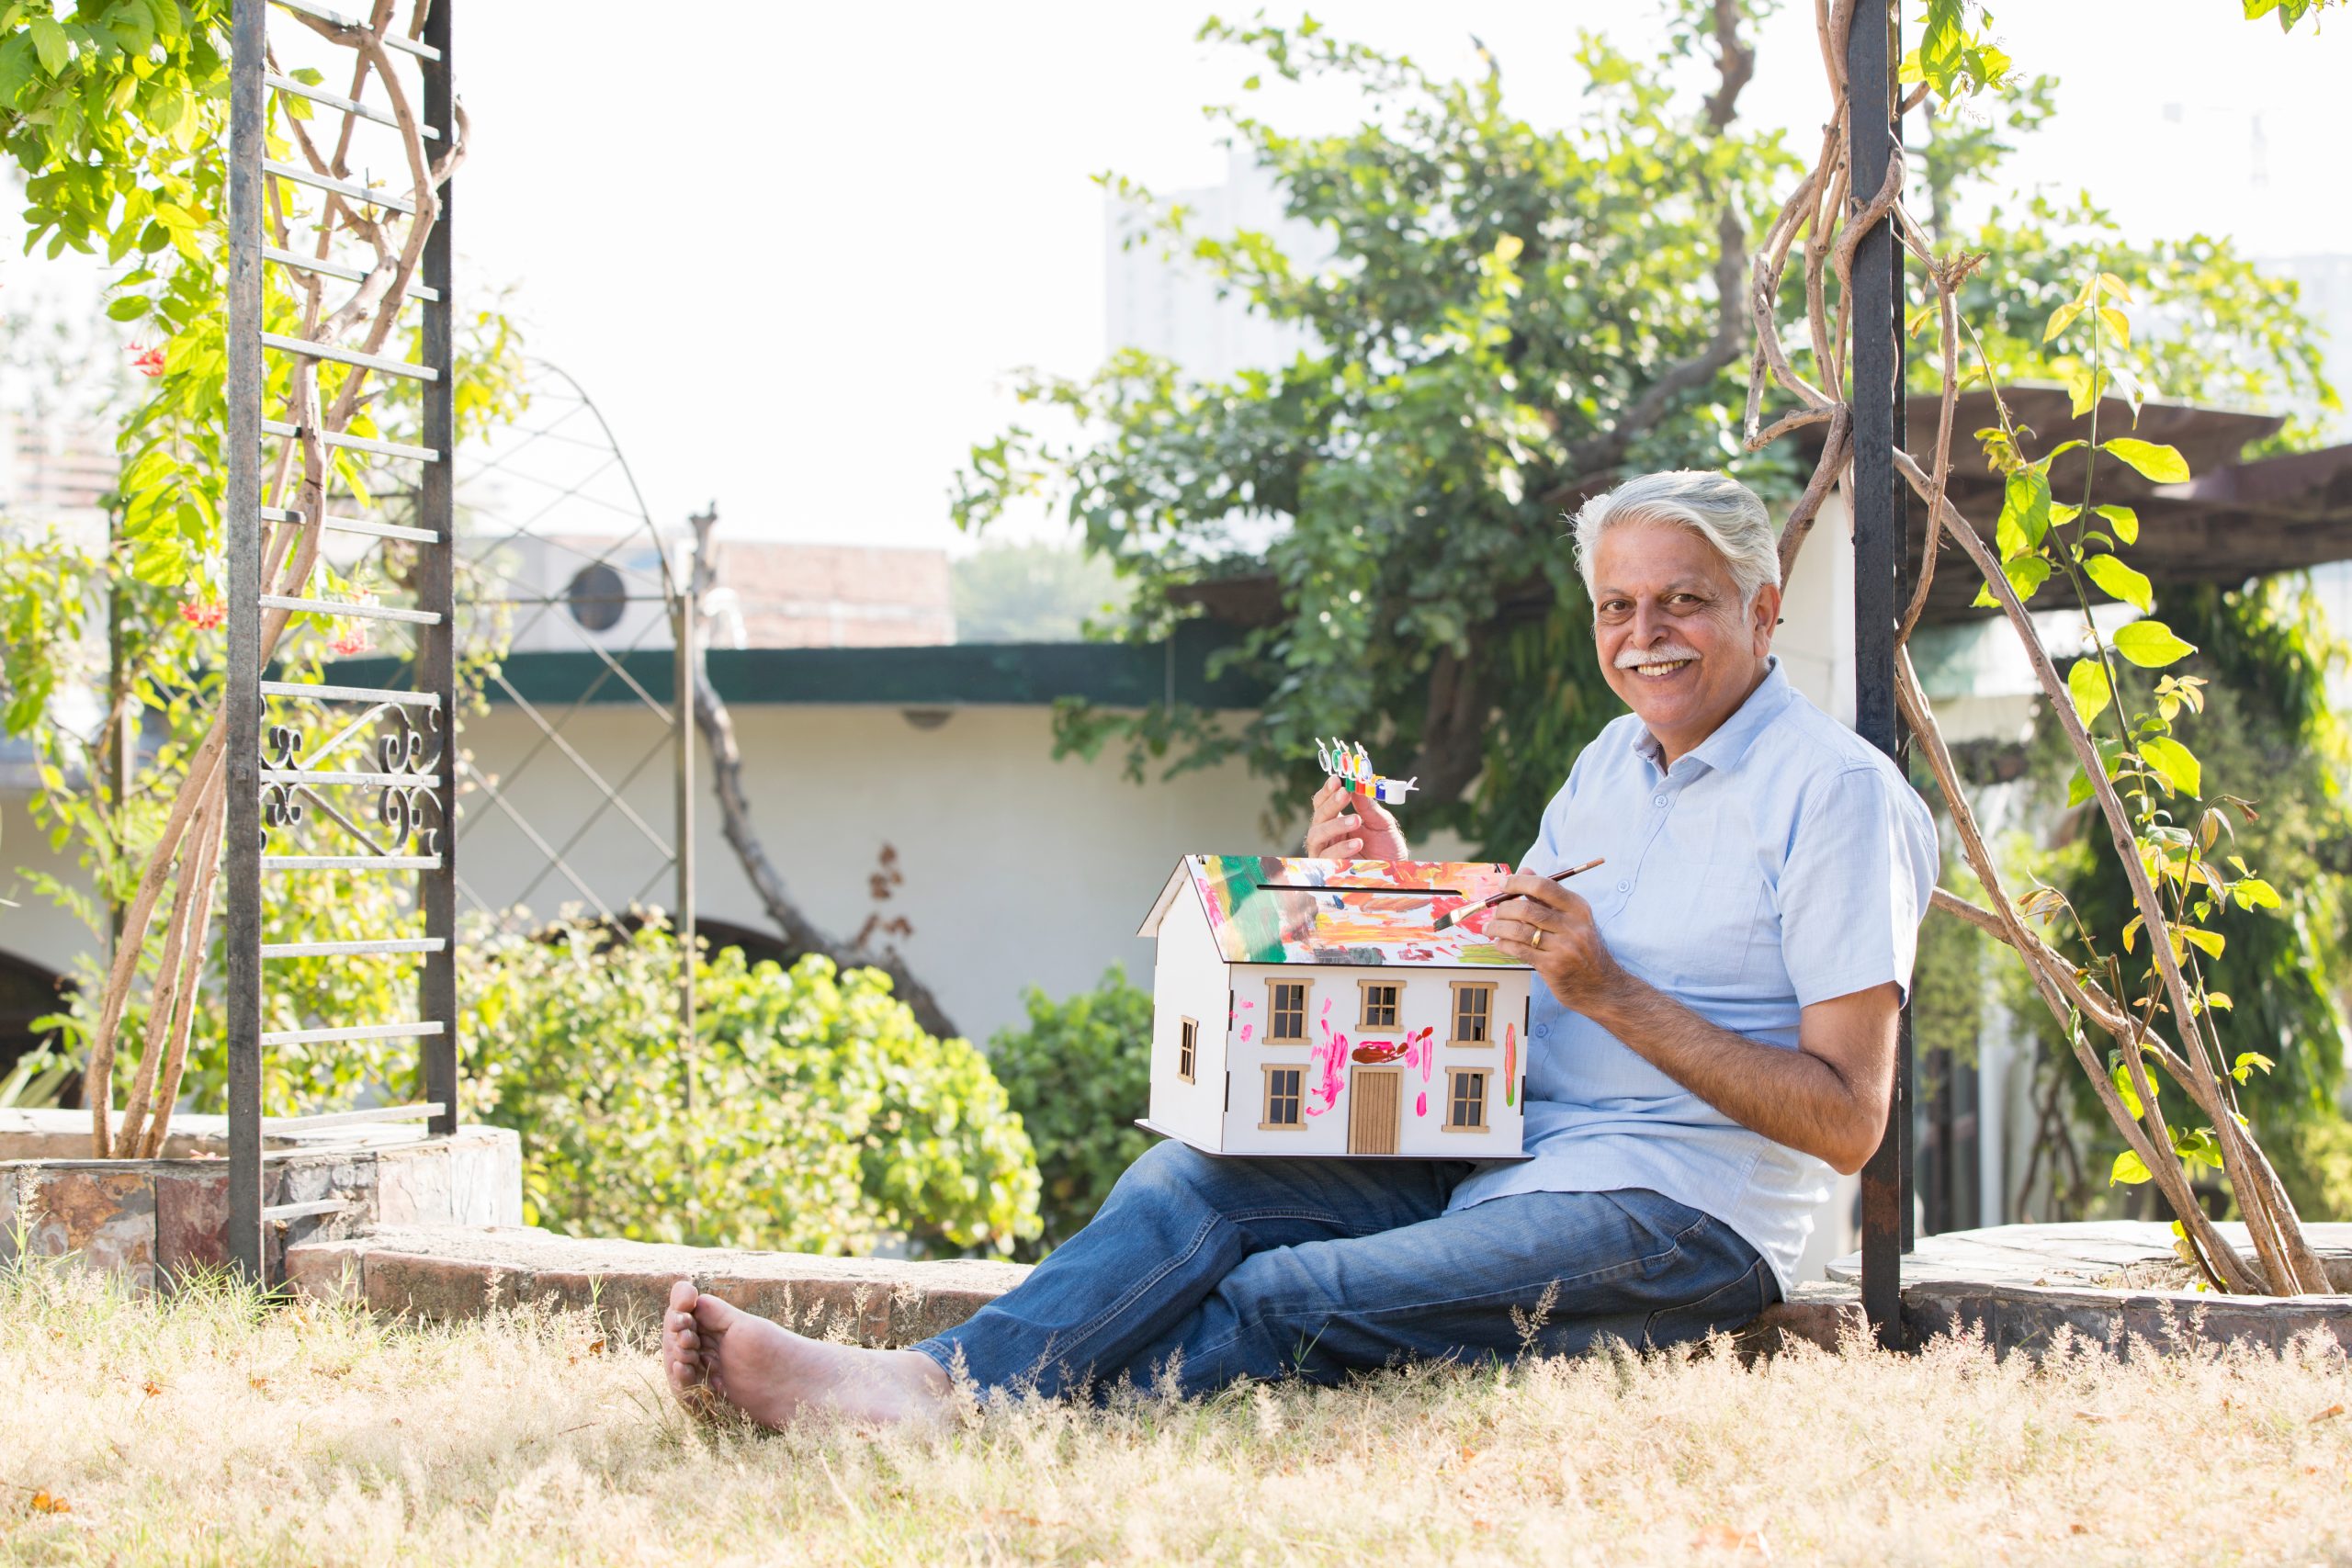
(453, 1272)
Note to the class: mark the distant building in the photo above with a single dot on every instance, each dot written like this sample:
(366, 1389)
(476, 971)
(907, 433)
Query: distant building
(788, 595)
(2327, 281)
(1165, 305)
(54, 470)
(568, 591)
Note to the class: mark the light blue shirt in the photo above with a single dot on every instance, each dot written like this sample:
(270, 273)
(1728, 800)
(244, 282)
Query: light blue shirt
(1781, 863)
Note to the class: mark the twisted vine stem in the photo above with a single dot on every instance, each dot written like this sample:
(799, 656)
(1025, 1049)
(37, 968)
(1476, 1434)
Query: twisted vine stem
(1830, 221)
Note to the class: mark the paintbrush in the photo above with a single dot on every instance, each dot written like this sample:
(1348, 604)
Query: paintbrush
(1456, 917)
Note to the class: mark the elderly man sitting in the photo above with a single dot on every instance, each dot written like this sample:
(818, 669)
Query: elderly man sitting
(1714, 1035)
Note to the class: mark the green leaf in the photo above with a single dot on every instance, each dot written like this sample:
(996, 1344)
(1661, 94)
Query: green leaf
(2176, 763)
(2024, 512)
(56, 51)
(2198, 1146)
(2242, 1069)
(2115, 321)
(2129, 1170)
(2118, 1073)
(2162, 464)
(2253, 892)
(2126, 584)
(2026, 574)
(2123, 520)
(129, 307)
(2087, 683)
(2060, 319)
(2151, 645)
(2078, 789)
(2210, 943)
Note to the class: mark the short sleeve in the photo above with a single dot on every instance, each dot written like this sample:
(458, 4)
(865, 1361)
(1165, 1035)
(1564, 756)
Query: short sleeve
(1854, 884)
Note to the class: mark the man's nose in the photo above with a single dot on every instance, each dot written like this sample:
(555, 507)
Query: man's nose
(1649, 624)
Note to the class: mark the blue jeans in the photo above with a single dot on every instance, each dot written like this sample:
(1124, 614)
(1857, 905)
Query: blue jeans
(1230, 1267)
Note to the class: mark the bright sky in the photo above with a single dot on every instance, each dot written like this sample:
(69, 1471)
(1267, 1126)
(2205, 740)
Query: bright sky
(793, 253)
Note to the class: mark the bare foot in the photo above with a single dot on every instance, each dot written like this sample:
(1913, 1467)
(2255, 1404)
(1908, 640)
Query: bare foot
(712, 1350)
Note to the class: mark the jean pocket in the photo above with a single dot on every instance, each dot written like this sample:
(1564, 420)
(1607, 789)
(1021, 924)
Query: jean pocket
(1727, 1307)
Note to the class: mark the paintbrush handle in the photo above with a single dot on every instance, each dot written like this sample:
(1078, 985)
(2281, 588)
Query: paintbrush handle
(1456, 917)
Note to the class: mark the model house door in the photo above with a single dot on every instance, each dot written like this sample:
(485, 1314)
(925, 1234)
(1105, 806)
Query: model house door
(1375, 1101)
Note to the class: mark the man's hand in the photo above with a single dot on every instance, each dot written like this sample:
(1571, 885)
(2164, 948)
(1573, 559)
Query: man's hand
(1828, 1097)
(1550, 930)
(1348, 825)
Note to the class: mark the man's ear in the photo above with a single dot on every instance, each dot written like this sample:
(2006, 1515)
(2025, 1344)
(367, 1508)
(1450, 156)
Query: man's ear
(1763, 615)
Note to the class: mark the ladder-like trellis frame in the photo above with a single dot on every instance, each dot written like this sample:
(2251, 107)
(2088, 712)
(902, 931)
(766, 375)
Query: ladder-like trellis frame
(414, 779)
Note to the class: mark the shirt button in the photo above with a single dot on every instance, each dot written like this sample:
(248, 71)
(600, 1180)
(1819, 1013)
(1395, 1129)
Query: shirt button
(1542, 1031)
(1659, 803)
(1625, 888)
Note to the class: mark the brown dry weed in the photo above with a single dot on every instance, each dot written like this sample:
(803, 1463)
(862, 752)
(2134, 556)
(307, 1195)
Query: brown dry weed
(209, 1428)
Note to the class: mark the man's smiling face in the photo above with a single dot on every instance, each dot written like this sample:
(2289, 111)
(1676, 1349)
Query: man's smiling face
(1675, 641)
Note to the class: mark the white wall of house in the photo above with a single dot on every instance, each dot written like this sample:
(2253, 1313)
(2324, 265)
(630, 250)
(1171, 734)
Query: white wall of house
(1330, 1079)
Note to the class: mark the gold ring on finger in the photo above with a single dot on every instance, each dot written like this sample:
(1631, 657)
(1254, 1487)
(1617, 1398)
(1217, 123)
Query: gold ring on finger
(1535, 936)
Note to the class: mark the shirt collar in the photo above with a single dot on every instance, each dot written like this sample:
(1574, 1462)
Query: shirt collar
(1732, 738)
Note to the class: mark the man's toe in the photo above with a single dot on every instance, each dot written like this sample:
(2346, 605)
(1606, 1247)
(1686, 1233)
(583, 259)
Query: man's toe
(681, 1296)
(712, 1315)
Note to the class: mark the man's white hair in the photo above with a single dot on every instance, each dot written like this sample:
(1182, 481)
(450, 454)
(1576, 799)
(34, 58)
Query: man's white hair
(1718, 508)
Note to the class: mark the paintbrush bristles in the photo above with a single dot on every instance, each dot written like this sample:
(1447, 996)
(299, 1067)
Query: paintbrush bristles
(1456, 917)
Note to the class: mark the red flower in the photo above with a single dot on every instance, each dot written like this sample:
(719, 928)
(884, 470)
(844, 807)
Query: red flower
(204, 614)
(148, 362)
(353, 640)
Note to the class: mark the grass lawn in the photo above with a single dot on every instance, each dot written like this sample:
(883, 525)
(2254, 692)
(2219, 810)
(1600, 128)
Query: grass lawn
(208, 1430)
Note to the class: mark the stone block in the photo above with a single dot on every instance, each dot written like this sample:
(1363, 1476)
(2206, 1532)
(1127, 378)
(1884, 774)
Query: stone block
(2033, 1320)
(328, 1272)
(102, 1210)
(412, 1284)
(485, 1177)
(192, 1220)
(412, 1186)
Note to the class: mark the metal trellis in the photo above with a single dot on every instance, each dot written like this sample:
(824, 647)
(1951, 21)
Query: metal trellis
(276, 776)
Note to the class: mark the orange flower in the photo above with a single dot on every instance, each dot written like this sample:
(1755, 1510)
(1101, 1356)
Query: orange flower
(204, 614)
(148, 362)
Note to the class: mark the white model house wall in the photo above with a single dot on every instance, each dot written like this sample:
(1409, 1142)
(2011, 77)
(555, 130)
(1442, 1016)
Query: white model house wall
(1425, 1000)
(1188, 984)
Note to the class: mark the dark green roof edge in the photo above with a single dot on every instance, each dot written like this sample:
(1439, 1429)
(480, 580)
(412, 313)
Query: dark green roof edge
(1032, 674)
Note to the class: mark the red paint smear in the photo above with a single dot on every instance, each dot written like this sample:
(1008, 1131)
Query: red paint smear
(1421, 1103)
(1245, 1033)
(1510, 1062)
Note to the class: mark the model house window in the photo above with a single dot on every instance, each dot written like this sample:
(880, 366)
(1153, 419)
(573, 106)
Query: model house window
(1283, 1097)
(1379, 1003)
(1466, 1109)
(1187, 1049)
(1474, 1012)
(1287, 1012)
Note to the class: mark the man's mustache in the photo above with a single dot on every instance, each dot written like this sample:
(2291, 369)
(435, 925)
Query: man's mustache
(1634, 657)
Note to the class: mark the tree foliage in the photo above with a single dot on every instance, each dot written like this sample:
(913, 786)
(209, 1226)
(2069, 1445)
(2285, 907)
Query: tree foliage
(1513, 317)
(820, 1116)
(1080, 1073)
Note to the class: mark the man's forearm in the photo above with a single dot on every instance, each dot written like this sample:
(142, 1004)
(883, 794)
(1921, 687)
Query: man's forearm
(1791, 1097)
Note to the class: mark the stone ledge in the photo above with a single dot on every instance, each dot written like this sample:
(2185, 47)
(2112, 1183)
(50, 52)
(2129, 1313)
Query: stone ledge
(444, 1273)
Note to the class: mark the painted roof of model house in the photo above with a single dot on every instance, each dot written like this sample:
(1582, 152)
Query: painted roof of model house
(1273, 909)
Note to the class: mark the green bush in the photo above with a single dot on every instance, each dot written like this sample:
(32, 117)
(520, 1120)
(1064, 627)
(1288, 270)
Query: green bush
(822, 1118)
(1080, 1075)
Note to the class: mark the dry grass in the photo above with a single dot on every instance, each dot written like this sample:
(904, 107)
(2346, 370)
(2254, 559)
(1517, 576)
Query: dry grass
(208, 1430)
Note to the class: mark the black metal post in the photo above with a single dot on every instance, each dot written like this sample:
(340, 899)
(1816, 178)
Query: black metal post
(240, 518)
(436, 665)
(1872, 48)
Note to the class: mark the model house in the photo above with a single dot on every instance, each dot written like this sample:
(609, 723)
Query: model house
(1307, 1007)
